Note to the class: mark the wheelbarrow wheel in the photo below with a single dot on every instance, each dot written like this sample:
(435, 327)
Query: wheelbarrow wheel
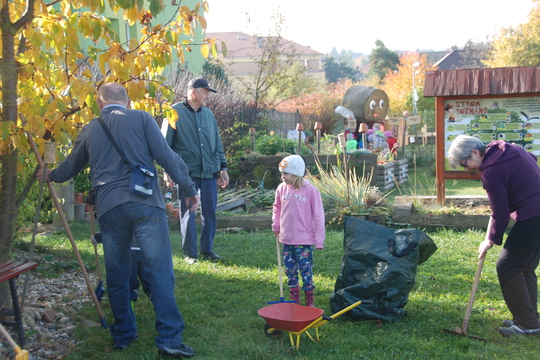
(272, 334)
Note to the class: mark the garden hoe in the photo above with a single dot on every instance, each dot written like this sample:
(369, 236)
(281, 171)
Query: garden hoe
(463, 330)
(21, 354)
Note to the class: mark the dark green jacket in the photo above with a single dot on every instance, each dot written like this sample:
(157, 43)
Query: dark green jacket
(196, 139)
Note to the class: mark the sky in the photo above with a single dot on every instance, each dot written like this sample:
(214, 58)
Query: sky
(356, 24)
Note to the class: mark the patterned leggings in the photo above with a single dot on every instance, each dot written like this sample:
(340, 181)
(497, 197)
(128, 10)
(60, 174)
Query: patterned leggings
(299, 258)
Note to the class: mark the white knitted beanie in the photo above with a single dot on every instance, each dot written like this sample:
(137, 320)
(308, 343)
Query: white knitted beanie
(294, 165)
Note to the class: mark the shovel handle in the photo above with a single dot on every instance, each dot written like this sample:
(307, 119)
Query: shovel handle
(8, 337)
(278, 250)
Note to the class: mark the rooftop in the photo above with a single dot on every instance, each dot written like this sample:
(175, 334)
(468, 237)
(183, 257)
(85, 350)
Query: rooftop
(240, 44)
(486, 81)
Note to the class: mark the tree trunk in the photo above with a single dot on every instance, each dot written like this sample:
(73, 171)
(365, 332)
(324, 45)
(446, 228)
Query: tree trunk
(8, 157)
(8, 215)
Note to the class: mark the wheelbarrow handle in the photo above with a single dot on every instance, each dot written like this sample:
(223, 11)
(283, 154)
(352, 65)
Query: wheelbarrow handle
(350, 307)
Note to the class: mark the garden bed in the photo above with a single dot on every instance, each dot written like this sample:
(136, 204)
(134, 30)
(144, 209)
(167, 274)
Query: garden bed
(462, 212)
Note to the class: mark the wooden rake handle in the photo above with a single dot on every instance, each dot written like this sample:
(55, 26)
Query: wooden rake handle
(66, 225)
(473, 294)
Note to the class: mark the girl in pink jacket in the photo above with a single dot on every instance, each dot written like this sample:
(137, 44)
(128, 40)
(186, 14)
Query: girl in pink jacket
(298, 222)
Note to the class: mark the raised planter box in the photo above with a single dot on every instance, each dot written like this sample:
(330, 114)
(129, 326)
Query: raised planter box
(264, 222)
(387, 175)
(403, 212)
(256, 167)
(457, 221)
(401, 171)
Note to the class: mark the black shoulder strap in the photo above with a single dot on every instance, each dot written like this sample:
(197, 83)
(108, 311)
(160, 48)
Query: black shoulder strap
(115, 144)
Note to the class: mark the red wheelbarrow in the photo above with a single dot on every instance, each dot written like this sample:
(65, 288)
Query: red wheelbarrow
(297, 319)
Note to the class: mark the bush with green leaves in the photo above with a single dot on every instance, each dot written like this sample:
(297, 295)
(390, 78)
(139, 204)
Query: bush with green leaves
(273, 144)
(420, 155)
(82, 181)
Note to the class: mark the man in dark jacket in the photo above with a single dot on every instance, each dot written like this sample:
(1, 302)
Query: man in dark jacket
(195, 137)
(123, 214)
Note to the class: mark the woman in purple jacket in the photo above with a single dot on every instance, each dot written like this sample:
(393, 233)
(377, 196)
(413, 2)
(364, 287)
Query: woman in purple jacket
(298, 222)
(511, 178)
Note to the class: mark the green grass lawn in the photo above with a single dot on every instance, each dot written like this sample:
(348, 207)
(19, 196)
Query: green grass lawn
(422, 181)
(219, 302)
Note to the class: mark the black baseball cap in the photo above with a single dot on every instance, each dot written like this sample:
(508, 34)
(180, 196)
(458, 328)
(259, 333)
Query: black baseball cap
(199, 83)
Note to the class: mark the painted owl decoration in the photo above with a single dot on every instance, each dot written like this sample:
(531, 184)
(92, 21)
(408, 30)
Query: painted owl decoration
(369, 104)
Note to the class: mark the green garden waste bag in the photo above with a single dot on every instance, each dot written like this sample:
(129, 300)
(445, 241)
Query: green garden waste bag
(379, 264)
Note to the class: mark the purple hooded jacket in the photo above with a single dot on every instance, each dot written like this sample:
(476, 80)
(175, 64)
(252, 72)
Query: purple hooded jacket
(511, 178)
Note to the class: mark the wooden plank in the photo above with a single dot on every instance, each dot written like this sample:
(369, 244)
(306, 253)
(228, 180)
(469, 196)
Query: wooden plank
(10, 269)
(243, 192)
(234, 193)
(231, 204)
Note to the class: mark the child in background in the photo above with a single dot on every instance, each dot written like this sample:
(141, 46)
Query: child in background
(369, 139)
(298, 222)
(392, 142)
(379, 140)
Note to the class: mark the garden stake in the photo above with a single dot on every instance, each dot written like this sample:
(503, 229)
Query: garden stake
(463, 330)
(66, 227)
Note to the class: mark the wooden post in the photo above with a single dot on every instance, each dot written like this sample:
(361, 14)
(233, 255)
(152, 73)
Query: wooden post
(439, 154)
(299, 129)
(252, 133)
(318, 128)
(342, 143)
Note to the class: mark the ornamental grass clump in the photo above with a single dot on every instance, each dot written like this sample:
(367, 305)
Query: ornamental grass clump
(339, 191)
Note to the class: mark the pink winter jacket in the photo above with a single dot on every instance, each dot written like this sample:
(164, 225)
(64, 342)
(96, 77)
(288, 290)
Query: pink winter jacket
(298, 215)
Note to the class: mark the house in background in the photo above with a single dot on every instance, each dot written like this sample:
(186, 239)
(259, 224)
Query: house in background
(461, 59)
(193, 60)
(244, 49)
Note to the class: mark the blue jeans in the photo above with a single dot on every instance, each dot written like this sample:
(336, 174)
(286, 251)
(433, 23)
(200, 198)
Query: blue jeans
(207, 188)
(149, 225)
(138, 277)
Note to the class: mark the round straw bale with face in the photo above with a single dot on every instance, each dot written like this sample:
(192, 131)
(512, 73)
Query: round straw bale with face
(369, 104)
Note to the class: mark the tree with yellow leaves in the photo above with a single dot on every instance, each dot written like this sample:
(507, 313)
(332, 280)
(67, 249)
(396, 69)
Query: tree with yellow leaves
(398, 85)
(48, 78)
(519, 46)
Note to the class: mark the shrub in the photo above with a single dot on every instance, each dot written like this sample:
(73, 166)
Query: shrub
(273, 144)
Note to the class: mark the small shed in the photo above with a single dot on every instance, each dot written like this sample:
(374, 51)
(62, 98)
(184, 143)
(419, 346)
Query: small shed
(496, 103)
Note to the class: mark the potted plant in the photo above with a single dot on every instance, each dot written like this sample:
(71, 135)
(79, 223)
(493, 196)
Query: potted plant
(374, 197)
(82, 184)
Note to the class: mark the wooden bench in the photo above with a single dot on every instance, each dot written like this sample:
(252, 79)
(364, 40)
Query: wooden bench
(9, 270)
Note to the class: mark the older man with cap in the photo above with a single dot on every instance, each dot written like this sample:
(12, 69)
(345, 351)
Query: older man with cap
(195, 137)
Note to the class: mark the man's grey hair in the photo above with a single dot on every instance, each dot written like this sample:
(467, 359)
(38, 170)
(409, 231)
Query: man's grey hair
(113, 93)
(461, 149)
